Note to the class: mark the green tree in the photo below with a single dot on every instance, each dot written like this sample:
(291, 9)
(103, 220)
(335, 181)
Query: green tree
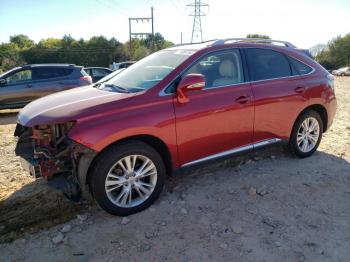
(97, 51)
(140, 53)
(22, 41)
(10, 56)
(336, 54)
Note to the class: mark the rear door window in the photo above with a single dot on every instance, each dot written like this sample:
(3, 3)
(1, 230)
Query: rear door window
(267, 64)
(41, 73)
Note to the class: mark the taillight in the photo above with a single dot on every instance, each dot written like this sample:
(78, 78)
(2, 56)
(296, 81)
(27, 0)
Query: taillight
(330, 79)
(86, 78)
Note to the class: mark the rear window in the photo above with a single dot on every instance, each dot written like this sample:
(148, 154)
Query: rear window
(267, 64)
(83, 72)
(50, 72)
(300, 67)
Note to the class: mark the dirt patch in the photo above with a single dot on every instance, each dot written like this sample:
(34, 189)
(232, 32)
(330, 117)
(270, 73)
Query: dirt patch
(26, 204)
(265, 207)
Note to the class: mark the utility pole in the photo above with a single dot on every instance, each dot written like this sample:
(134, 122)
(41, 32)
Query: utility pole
(197, 22)
(141, 34)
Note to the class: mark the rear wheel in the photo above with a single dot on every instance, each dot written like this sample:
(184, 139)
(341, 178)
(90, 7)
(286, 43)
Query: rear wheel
(127, 178)
(306, 135)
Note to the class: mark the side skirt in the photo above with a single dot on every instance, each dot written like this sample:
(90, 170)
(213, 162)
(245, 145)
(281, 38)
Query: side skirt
(229, 153)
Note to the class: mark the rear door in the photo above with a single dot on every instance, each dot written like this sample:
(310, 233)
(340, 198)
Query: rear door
(48, 80)
(17, 89)
(278, 93)
(219, 119)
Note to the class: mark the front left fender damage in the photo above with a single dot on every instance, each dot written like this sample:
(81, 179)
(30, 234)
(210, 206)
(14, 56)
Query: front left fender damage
(46, 151)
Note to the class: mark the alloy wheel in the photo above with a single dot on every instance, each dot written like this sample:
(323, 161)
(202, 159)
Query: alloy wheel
(308, 134)
(131, 181)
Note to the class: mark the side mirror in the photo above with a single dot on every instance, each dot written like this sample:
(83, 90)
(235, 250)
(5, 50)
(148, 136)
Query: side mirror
(2, 82)
(190, 82)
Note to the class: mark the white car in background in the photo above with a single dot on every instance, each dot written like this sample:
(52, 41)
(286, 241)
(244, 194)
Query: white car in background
(344, 71)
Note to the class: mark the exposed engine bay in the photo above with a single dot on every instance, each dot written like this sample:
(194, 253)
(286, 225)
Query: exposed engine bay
(47, 152)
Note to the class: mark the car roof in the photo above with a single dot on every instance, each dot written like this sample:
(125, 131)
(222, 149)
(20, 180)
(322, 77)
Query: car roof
(124, 62)
(232, 41)
(51, 65)
(98, 67)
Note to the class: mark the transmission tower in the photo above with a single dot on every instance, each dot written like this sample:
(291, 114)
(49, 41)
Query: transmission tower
(197, 22)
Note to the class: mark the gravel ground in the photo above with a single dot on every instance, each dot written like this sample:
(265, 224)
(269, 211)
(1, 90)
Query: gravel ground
(262, 207)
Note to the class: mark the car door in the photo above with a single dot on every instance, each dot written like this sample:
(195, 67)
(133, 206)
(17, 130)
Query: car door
(48, 80)
(217, 120)
(278, 94)
(17, 88)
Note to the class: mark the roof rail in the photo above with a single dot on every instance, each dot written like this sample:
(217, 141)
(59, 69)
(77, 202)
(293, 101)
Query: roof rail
(198, 43)
(255, 40)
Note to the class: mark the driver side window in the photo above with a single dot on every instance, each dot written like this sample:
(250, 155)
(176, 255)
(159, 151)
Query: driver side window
(19, 77)
(219, 69)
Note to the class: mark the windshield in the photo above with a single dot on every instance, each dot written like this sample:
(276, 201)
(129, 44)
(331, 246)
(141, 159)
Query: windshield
(9, 71)
(149, 71)
(109, 76)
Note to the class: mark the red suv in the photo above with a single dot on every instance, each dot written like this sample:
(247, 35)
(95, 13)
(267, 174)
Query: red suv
(175, 108)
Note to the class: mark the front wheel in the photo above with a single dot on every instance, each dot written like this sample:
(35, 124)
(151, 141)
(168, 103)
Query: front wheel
(306, 135)
(127, 178)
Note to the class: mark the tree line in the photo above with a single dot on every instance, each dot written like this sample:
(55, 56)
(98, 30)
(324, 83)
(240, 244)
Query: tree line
(336, 54)
(100, 51)
(97, 51)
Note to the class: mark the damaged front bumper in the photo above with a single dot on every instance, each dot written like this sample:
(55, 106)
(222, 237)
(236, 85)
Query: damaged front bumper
(46, 151)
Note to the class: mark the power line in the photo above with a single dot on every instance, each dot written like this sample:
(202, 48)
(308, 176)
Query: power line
(197, 21)
(141, 34)
(111, 5)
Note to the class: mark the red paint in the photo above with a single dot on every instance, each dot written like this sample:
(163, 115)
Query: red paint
(209, 122)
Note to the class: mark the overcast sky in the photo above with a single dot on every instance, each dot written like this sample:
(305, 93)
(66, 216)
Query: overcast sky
(304, 23)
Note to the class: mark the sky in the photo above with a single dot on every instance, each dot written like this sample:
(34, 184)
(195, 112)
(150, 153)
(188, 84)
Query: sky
(303, 23)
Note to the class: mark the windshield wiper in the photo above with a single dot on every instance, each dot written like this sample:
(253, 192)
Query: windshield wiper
(117, 88)
(96, 85)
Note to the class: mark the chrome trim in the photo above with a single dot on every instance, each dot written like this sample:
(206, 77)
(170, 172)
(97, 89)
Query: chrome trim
(254, 40)
(234, 151)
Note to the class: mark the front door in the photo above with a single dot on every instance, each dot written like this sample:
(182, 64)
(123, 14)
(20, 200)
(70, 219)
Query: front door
(218, 119)
(17, 88)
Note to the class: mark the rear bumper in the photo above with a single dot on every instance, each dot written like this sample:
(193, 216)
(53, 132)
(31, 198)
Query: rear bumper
(331, 110)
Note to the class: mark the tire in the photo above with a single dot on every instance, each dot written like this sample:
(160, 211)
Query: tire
(111, 178)
(299, 149)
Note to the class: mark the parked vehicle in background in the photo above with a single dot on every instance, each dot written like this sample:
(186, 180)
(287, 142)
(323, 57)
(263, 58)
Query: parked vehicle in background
(110, 76)
(176, 108)
(344, 71)
(126, 64)
(97, 73)
(24, 84)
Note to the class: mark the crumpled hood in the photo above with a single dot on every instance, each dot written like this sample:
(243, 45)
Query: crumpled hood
(67, 105)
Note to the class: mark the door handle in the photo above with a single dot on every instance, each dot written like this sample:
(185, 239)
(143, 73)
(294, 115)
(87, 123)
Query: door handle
(242, 99)
(299, 89)
(28, 86)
